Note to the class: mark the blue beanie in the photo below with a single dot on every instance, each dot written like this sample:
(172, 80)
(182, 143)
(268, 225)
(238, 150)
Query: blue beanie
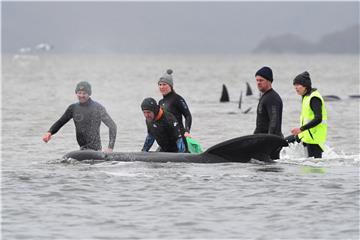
(266, 73)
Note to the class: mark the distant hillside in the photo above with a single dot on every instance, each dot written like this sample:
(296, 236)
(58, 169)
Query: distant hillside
(341, 42)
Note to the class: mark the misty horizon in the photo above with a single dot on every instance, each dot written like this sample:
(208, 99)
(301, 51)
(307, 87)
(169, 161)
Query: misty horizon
(166, 27)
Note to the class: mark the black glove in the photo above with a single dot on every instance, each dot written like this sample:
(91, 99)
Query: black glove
(291, 139)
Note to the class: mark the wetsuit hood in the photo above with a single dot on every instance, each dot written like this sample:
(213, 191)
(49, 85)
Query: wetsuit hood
(151, 105)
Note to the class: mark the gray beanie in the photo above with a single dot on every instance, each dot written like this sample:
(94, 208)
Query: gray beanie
(167, 78)
(83, 86)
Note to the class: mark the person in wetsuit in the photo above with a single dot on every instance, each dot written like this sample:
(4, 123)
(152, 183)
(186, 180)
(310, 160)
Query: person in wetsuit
(270, 106)
(163, 127)
(313, 120)
(87, 115)
(174, 103)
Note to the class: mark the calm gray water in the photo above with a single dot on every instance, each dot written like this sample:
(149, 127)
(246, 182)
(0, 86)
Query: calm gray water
(296, 198)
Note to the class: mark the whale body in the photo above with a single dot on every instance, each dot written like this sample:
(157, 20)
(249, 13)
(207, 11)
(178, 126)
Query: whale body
(241, 149)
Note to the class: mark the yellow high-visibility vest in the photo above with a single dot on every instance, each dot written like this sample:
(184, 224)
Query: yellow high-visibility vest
(317, 134)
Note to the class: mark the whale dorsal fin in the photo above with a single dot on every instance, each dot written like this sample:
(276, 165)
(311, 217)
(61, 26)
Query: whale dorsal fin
(248, 90)
(224, 94)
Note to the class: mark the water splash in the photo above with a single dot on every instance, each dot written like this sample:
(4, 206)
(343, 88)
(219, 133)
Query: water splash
(296, 153)
(295, 150)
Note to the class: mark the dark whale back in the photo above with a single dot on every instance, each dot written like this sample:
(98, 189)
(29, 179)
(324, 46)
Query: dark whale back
(242, 149)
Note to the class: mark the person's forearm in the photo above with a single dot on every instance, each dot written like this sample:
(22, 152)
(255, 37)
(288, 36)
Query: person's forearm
(149, 141)
(112, 134)
(61, 122)
(274, 120)
(180, 145)
(112, 128)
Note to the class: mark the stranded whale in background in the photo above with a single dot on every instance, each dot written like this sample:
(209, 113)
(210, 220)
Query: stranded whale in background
(241, 149)
(226, 98)
(336, 98)
(225, 94)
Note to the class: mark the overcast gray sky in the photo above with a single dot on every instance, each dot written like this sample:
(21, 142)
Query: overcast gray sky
(166, 27)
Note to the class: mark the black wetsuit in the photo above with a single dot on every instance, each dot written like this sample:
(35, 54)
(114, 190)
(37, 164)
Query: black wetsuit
(269, 116)
(165, 131)
(87, 118)
(175, 104)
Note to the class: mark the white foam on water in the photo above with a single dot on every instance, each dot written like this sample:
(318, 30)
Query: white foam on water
(296, 153)
(122, 174)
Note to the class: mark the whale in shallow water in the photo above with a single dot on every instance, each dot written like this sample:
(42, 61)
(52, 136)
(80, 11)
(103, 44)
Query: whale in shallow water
(331, 98)
(248, 90)
(354, 96)
(241, 149)
(224, 94)
(337, 98)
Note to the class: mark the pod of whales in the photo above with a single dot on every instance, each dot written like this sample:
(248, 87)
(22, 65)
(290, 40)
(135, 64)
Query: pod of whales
(225, 96)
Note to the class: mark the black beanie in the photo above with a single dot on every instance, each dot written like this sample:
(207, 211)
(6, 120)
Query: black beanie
(303, 79)
(266, 73)
(151, 105)
(83, 86)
